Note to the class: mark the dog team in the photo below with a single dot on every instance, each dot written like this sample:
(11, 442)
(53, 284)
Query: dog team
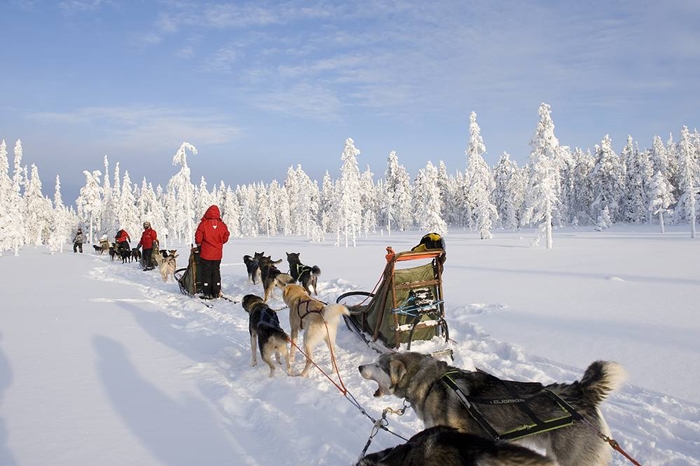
(463, 411)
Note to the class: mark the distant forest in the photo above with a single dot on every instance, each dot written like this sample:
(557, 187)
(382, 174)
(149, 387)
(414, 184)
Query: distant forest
(558, 186)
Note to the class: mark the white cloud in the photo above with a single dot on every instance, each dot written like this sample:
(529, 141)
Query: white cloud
(145, 127)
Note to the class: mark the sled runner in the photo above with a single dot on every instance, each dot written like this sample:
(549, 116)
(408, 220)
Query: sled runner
(407, 303)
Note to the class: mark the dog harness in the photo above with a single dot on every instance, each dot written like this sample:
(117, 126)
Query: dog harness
(537, 426)
(307, 302)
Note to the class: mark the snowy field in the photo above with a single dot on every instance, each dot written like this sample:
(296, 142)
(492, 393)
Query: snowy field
(104, 364)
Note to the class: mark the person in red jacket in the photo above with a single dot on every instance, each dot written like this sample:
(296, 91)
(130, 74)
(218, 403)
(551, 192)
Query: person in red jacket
(149, 237)
(123, 239)
(210, 237)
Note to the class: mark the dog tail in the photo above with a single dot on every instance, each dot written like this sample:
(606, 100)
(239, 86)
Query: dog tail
(333, 311)
(315, 270)
(600, 379)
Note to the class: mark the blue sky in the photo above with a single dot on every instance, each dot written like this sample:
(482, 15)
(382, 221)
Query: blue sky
(260, 86)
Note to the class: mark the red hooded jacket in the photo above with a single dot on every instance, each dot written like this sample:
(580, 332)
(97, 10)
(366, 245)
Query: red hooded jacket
(212, 233)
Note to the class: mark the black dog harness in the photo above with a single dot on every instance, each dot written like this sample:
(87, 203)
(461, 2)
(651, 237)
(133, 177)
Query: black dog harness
(537, 425)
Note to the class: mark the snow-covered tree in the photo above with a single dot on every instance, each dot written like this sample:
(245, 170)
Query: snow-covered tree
(397, 210)
(38, 211)
(349, 212)
(638, 171)
(508, 194)
(368, 200)
(89, 202)
(427, 201)
(660, 197)
(480, 182)
(688, 177)
(607, 178)
(231, 212)
(543, 188)
(181, 184)
(327, 196)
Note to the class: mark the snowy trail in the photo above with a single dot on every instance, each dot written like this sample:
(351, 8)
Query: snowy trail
(653, 428)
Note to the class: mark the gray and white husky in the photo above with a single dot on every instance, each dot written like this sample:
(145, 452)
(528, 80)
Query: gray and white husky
(423, 381)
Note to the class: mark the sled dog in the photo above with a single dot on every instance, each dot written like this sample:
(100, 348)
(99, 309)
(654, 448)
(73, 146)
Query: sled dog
(168, 266)
(434, 389)
(443, 446)
(252, 265)
(265, 331)
(318, 320)
(271, 276)
(307, 275)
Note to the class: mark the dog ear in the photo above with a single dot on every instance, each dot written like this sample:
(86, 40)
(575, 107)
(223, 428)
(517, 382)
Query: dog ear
(397, 370)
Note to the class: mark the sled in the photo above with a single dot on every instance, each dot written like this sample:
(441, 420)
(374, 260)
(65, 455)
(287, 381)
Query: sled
(407, 303)
(187, 277)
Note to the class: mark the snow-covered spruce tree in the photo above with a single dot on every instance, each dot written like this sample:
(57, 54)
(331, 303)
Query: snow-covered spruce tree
(607, 178)
(368, 200)
(349, 213)
(326, 204)
(38, 211)
(202, 200)
(280, 200)
(127, 212)
(182, 186)
(427, 201)
(231, 212)
(108, 219)
(303, 200)
(448, 195)
(580, 188)
(11, 219)
(150, 208)
(89, 202)
(508, 194)
(60, 225)
(543, 188)
(688, 177)
(638, 172)
(480, 182)
(397, 213)
(247, 198)
(660, 197)
(266, 215)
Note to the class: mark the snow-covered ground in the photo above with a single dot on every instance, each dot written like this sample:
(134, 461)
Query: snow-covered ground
(104, 364)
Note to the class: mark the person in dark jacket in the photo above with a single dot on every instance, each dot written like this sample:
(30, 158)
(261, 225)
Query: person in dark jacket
(149, 238)
(123, 240)
(78, 241)
(210, 237)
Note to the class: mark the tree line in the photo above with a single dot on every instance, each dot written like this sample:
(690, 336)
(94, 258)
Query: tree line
(558, 186)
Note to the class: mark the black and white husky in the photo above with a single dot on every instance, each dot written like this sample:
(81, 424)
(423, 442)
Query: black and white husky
(265, 331)
(437, 392)
(307, 275)
(445, 446)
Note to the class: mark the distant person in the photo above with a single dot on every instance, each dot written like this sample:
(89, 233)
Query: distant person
(149, 237)
(123, 240)
(210, 237)
(78, 241)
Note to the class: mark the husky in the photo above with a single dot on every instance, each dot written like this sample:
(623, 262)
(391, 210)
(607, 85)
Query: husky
(318, 320)
(434, 389)
(168, 266)
(252, 265)
(305, 274)
(444, 446)
(271, 276)
(265, 330)
(136, 254)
